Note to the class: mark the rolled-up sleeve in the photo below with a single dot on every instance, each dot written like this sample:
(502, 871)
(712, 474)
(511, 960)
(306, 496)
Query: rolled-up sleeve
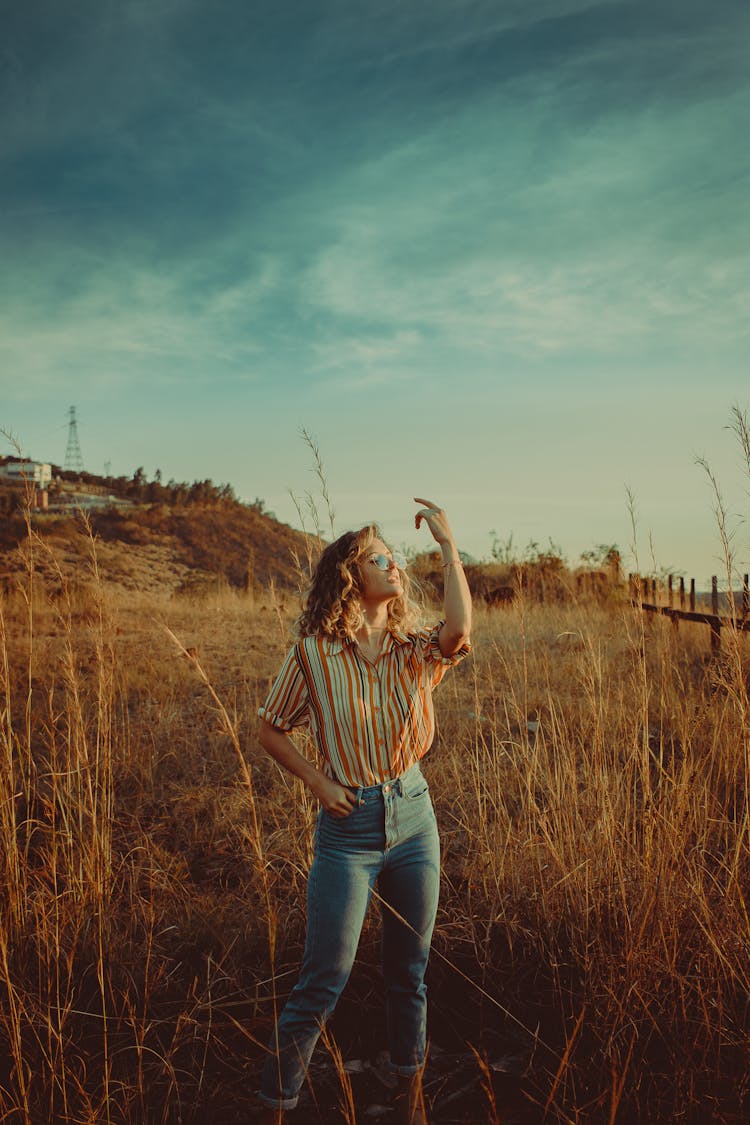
(287, 705)
(432, 656)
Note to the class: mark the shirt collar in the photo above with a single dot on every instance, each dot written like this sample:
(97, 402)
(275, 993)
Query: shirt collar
(333, 645)
(396, 638)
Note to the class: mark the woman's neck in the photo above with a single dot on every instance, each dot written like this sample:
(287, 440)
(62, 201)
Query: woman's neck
(375, 619)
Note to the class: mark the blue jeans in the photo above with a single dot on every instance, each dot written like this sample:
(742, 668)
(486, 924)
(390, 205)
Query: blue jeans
(390, 837)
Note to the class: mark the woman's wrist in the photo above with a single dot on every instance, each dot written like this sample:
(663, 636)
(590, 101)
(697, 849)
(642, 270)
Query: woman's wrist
(450, 554)
(317, 782)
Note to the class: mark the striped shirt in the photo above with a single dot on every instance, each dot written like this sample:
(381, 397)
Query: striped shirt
(370, 721)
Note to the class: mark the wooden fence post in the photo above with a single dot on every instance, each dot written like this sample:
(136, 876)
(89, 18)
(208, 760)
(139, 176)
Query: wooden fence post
(649, 603)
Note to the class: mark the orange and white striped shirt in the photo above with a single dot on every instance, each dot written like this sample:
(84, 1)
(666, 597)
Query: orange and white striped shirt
(370, 721)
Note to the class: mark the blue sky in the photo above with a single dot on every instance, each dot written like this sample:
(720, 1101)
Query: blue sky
(496, 254)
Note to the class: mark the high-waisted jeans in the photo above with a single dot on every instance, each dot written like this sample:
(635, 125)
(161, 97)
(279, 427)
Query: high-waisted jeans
(390, 837)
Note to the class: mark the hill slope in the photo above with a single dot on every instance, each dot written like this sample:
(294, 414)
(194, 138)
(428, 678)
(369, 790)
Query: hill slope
(152, 547)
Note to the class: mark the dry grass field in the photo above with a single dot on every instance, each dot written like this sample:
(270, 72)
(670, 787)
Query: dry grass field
(591, 782)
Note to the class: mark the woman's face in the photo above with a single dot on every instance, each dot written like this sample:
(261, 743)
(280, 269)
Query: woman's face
(379, 585)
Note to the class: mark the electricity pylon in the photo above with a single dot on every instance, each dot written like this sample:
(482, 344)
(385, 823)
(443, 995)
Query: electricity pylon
(73, 458)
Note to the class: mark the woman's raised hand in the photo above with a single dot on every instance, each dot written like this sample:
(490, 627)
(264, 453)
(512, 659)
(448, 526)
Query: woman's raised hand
(436, 520)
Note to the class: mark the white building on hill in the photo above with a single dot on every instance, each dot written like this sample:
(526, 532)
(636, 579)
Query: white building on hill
(35, 472)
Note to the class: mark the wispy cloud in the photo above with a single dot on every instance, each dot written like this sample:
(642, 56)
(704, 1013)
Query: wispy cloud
(352, 195)
(127, 324)
(611, 248)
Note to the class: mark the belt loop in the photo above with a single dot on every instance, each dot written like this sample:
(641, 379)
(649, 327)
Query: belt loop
(358, 795)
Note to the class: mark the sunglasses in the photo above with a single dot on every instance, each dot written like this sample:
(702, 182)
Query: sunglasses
(383, 562)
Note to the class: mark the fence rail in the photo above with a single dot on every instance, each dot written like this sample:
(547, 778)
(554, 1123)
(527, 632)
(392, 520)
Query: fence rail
(642, 589)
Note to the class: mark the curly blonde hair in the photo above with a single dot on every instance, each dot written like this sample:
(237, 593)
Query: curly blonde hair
(332, 605)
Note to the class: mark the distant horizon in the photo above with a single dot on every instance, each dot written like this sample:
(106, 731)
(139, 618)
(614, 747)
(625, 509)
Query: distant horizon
(418, 544)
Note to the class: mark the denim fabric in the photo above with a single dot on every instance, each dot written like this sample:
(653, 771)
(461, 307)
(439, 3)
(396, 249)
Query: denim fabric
(390, 838)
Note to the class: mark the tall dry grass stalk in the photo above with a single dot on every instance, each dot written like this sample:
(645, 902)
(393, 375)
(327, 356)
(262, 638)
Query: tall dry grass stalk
(307, 508)
(591, 782)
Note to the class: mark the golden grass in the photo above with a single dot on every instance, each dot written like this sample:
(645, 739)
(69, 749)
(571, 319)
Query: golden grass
(594, 907)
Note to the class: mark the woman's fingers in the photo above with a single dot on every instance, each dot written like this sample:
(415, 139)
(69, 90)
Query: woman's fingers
(343, 803)
(434, 517)
(340, 812)
(429, 513)
(349, 799)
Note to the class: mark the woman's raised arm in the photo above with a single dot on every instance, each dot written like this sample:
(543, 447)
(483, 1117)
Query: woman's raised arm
(456, 595)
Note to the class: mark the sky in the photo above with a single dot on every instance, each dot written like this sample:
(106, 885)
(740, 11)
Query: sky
(495, 254)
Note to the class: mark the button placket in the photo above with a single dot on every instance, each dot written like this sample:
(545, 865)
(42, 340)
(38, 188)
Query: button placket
(378, 711)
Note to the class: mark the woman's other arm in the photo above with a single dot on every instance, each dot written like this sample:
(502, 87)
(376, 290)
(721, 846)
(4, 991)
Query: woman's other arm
(336, 799)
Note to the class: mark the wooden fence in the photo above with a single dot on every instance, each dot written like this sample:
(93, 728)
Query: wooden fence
(649, 594)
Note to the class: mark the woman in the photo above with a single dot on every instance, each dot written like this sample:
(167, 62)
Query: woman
(362, 677)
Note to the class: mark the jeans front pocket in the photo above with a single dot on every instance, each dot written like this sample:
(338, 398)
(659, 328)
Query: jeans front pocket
(414, 784)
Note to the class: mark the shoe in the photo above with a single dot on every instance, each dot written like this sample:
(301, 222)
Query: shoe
(409, 1100)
